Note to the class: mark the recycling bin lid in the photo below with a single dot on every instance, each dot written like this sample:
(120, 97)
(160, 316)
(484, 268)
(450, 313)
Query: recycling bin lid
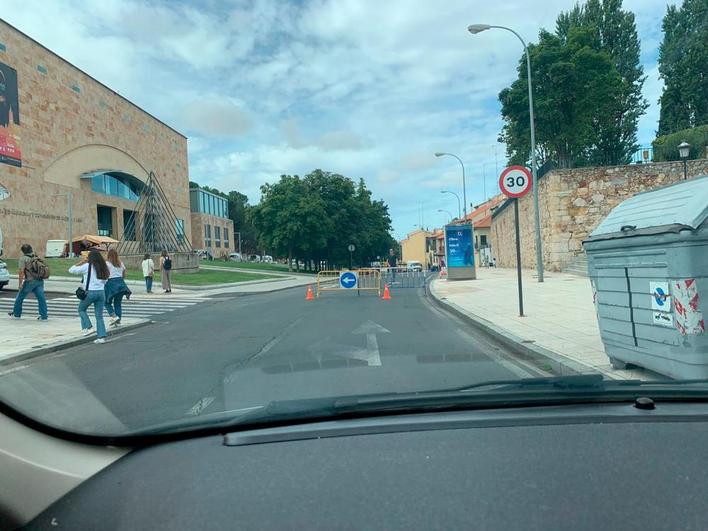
(678, 206)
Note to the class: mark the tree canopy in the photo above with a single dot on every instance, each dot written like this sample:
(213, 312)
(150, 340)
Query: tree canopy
(587, 84)
(683, 65)
(316, 217)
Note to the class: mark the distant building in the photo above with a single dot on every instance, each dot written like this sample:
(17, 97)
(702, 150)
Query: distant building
(481, 218)
(212, 230)
(419, 245)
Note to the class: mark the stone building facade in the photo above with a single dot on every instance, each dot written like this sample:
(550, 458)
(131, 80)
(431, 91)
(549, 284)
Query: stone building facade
(572, 203)
(65, 132)
(212, 230)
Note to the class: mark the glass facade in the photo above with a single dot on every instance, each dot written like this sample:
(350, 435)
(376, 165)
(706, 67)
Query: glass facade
(179, 228)
(217, 236)
(115, 185)
(208, 203)
(207, 235)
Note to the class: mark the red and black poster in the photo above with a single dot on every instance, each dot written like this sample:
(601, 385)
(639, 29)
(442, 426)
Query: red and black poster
(9, 117)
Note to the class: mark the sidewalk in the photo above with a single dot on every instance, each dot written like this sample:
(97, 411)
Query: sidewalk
(559, 316)
(27, 337)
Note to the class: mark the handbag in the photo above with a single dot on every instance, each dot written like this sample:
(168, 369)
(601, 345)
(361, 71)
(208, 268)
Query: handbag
(80, 291)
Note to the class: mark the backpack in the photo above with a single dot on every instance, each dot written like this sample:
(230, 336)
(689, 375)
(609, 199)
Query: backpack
(167, 264)
(37, 268)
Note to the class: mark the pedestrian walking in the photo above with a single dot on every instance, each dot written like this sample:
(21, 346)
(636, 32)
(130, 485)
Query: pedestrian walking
(166, 270)
(148, 271)
(32, 271)
(116, 287)
(92, 292)
(392, 264)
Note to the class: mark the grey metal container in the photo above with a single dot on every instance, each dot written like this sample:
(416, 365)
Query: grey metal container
(648, 265)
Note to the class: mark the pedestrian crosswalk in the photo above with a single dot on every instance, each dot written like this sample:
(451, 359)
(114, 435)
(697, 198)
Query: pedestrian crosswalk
(143, 306)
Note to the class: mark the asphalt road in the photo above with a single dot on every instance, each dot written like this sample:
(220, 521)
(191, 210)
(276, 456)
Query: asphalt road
(239, 353)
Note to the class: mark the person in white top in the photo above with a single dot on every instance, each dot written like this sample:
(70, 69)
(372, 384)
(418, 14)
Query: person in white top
(148, 271)
(95, 274)
(116, 287)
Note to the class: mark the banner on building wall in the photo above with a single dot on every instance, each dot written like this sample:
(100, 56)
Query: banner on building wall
(9, 117)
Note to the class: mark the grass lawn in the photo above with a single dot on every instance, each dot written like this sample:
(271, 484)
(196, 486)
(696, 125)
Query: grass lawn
(59, 267)
(250, 265)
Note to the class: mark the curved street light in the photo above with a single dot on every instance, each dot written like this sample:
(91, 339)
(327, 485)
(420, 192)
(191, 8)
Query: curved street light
(464, 187)
(478, 28)
(459, 209)
(446, 212)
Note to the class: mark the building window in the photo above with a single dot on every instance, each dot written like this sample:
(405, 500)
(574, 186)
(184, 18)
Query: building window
(105, 183)
(179, 228)
(483, 240)
(207, 235)
(217, 236)
(226, 237)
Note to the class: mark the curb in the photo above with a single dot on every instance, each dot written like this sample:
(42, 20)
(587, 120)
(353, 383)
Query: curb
(68, 343)
(540, 356)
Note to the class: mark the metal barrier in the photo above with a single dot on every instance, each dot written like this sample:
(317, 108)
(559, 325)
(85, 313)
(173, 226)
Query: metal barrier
(367, 280)
(402, 277)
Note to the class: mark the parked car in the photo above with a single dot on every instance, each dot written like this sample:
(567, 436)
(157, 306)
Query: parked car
(254, 258)
(4, 275)
(414, 265)
(267, 259)
(235, 257)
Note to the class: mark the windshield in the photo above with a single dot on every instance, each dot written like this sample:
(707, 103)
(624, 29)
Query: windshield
(242, 212)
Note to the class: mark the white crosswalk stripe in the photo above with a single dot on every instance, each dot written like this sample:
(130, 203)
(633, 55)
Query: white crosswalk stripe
(137, 306)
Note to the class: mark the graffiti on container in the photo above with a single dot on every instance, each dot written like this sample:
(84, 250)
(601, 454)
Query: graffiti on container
(689, 317)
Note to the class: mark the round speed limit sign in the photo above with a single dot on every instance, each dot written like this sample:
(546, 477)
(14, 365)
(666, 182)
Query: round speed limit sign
(515, 181)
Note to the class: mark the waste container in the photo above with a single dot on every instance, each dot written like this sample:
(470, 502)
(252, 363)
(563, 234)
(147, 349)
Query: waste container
(648, 265)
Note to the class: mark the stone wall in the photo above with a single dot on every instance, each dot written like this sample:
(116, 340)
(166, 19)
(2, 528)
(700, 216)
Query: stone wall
(572, 203)
(71, 124)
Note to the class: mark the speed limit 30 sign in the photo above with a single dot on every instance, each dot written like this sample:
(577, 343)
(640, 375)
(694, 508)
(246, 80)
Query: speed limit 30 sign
(515, 181)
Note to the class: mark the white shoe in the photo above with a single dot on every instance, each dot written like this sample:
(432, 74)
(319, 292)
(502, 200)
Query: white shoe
(99, 341)
(87, 332)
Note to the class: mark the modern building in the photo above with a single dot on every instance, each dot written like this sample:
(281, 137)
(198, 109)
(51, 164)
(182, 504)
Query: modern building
(74, 154)
(212, 230)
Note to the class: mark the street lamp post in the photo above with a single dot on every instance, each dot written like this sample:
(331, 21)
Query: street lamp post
(459, 209)
(684, 149)
(464, 186)
(446, 212)
(477, 28)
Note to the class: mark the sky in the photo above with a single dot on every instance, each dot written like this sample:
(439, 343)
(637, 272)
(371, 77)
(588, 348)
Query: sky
(367, 88)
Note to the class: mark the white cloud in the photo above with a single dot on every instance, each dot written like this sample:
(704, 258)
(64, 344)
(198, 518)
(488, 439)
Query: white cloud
(363, 87)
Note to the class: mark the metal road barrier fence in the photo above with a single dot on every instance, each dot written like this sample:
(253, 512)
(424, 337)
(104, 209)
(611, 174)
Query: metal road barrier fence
(402, 277)
(365, 280)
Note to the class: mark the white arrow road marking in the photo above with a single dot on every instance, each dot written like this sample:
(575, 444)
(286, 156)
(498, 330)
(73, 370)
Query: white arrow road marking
(370, 328)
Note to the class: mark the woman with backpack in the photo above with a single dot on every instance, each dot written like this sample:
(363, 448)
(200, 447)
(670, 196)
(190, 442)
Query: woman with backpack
(92, 292)
(116, 287)
(166, 268)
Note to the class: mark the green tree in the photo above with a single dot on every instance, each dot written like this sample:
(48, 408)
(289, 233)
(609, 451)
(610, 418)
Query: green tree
(683, 65)
(577, 95)
(597, 128)
(614, 31)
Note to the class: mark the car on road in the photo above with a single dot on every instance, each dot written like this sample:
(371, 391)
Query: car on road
(4, 275)
(414, 265)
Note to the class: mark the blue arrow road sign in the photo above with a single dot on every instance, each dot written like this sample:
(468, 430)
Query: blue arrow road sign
(347, 279)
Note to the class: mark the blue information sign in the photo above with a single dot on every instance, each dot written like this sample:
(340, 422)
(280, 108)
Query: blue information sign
(347, 280)
(458, 243)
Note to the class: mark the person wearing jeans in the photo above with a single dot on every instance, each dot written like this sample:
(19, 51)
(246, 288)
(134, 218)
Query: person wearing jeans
(28, 283)
(148, 271)
(116, 288)
(95, 272)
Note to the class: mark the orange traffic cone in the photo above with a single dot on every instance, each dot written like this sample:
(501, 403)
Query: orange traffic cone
(387, 293)
(310, 295)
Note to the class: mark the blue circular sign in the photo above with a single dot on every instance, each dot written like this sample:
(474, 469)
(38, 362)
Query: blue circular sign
(347, 280)
(660, 296)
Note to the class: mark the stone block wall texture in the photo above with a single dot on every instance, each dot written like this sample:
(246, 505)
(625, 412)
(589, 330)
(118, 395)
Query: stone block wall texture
(572, 203)
(71, 124)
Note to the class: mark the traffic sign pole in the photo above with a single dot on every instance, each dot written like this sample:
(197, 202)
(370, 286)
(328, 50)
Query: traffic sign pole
(518, 257)
(515, 182)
